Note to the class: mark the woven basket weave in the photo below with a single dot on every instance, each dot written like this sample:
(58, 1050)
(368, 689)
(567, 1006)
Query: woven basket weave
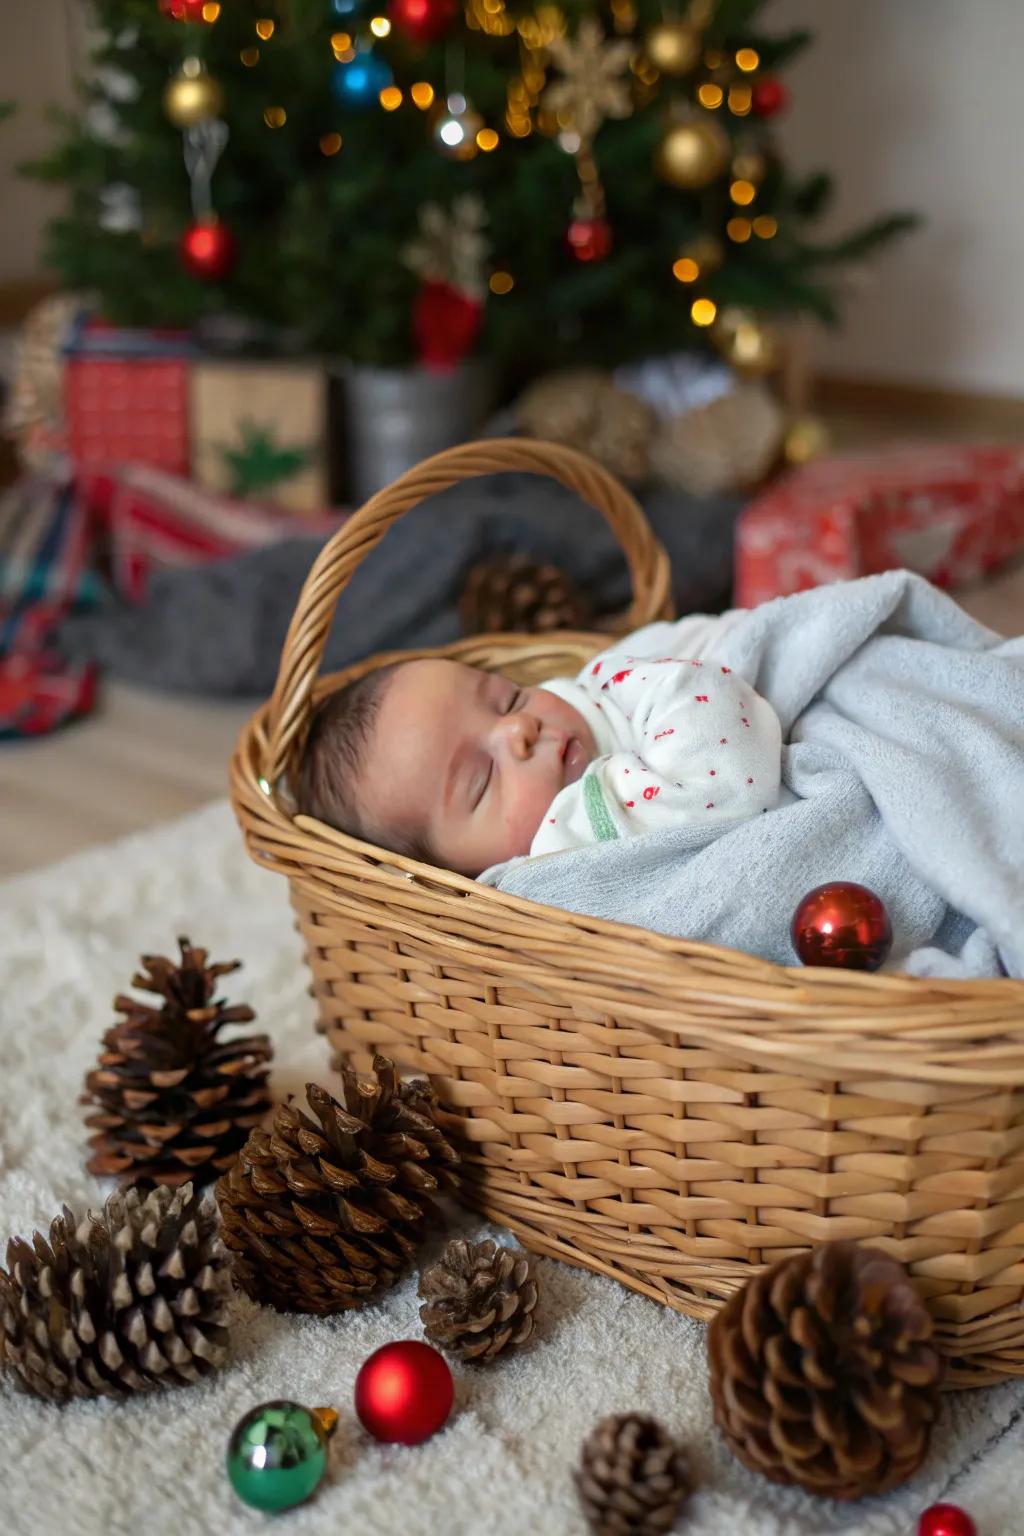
(663, 1111)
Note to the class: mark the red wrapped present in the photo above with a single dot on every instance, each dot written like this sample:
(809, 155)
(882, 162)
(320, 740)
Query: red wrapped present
(952, 512)
(126, 396)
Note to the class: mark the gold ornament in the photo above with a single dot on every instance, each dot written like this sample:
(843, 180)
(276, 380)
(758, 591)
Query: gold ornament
(807, 438)
(673, 47)
(592, 88)
(192, 95)
(451, 246)
(746, 342)
(692, 155)
(455, 129)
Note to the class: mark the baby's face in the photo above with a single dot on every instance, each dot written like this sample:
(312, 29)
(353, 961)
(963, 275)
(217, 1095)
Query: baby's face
(470, 759)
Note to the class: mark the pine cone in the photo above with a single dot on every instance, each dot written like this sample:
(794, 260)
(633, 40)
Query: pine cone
(823, 1374)
(512, 594)
(121, 1303)
(175, 1101)
(480, 1299)
(325, 1215)
(633, 1477)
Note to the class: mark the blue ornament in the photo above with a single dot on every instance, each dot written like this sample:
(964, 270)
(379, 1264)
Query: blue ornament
(344, 7)
(359, 83)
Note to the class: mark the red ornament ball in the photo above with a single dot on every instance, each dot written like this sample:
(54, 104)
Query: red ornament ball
(769, 96)
(589, 239)
(946, 1520)
(208, 250)
(424, 21)
(446, 323)
(842, 923)
(183, 10)
(404, 1392)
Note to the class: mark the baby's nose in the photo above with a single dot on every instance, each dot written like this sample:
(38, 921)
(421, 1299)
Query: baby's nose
(520, 733)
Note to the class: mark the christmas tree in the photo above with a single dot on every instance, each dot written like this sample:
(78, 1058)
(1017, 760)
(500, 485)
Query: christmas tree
(585, 182)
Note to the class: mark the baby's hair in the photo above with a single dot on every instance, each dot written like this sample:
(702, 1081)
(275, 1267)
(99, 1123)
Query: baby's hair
(327, 782)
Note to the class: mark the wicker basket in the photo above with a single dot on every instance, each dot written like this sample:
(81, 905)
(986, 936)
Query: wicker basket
(663, 1111)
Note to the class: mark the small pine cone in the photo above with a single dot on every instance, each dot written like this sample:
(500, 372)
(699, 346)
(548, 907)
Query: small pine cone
(822, 1372)
(512, 594)
(126, 1302)
(175, 1100)
(480, 1299)
(325, 1215)
(633, 1477)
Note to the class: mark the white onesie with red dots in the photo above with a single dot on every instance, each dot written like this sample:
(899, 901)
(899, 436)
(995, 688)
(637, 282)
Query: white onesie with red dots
(680, 738)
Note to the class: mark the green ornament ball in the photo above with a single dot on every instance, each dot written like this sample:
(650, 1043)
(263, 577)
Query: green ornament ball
(277, 1454)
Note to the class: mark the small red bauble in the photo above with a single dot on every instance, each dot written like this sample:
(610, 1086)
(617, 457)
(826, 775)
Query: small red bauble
(208, 250)
(424, 21)
(404, 1392)
(842, 923)
(446, 323)
(183, 10)
(589, 239)
(769, 96)
(946, 1520)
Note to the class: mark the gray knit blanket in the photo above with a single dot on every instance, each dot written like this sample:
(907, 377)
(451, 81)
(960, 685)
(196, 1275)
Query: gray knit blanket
(903, 768)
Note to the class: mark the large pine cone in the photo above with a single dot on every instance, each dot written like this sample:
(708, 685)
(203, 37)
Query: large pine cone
(324, 1215)
(479, 1299)
(633, 1477)
(176, 1101)
(513, 594)
(123, 1303)
(822, 1372)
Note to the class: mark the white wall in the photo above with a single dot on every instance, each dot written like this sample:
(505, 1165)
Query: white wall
(916, 103)
(39, 42)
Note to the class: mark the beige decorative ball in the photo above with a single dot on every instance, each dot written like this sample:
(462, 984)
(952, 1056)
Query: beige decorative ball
(192, 96)
(583, 409)
(692, 155)
(673, 47)
(728, 444)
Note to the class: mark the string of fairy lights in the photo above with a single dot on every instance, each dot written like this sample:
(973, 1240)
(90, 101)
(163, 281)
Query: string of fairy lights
(564, 88)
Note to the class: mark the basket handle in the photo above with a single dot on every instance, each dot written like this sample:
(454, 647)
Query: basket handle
(291, 702)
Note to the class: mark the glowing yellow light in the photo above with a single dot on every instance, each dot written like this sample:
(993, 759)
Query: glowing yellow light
(703, 311)
(275, 117)
(391, 98)
(765, 226)
(747, 59)
(519, 127)
(330, 143)
(422, 94)
(645, 71)
(685, 270)
(211, 10)
(494, 7)
(380, 26)
(501, 282)
(710, 95)
(340, 41)
(265, 28)
(534, 79)
(249, 57)
(739, 99)
(345, 56)
(487, 139)
(743, 192)
(738, 230)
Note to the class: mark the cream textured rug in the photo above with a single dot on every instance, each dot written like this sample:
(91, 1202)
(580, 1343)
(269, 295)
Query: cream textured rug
(69, 939)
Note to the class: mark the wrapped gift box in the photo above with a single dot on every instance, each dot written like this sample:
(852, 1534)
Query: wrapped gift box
(259, 431)
(951, 512)
(126, 396)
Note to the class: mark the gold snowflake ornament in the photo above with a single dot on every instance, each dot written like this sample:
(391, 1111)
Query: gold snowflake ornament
(452, 247)
(592, 88)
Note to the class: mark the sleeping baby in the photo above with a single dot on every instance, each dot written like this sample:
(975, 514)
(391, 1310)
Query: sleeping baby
(464, 769)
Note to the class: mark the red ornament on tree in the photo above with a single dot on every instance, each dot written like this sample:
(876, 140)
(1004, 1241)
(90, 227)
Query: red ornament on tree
(208, 250)
(183, 10)
(946, 1520)
(842, 923)
(404, 1392)
(589, 239)
(769, 96)
(425, 21)
(446, 323)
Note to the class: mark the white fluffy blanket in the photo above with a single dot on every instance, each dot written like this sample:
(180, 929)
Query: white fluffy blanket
(69, 939)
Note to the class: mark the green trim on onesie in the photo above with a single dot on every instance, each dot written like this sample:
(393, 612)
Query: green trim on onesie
(601, 824)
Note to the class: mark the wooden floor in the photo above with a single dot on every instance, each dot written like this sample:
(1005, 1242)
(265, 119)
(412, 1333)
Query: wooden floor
(146, 757)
